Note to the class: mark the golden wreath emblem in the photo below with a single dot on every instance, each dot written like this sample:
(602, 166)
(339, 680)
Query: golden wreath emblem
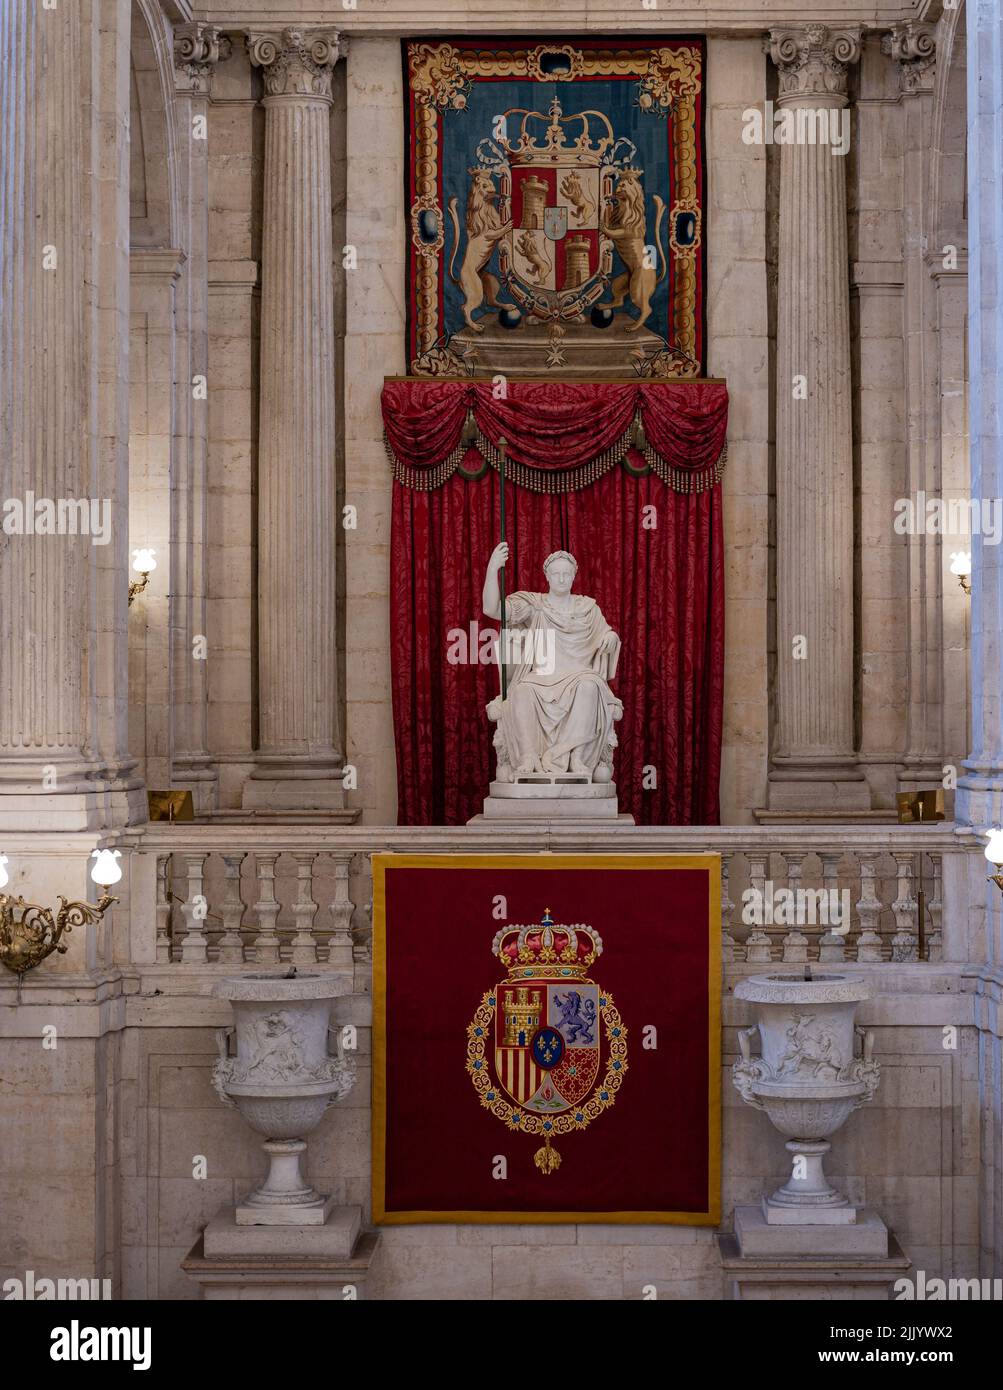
(540, 1040)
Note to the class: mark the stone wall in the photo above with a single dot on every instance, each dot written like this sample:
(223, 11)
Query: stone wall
(913, 1155)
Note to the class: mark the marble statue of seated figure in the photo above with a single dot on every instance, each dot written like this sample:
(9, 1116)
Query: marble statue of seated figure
(561, 655)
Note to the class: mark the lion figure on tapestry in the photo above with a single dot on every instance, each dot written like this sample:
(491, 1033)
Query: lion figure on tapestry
(625, 225)
(484, 229)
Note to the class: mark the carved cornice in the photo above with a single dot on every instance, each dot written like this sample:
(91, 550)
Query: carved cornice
(813, 60)
(297, 62)
(914, 47)
(197, 49)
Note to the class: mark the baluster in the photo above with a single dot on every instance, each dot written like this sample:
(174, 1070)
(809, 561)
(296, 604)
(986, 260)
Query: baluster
(339, 947)
(231, 945)
(194, 943)
(163, 909)
(832, 943)
(905, 940)
(757, 943)
(304, 910)
(728, 942)
(795, 947)
(935, 945)
(868, 911)
(266, 943)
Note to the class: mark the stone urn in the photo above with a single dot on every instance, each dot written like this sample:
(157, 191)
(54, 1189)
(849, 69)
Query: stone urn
(807, 1079)
(281, 1078)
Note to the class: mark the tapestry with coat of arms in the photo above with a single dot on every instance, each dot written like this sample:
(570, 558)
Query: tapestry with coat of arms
(556, 207)
(546, 1038)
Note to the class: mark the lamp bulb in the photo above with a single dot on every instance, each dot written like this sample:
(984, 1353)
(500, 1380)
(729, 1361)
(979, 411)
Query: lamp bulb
(106, 870)
(994, 849)
(143, 561)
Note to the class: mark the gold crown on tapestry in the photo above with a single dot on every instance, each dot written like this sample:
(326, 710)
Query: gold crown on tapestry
(547, 949)
(554, 148)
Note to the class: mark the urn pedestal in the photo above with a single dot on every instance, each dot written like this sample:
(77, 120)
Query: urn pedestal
(814, 1068)
(808, 1080)
(284, 1239)
(281, 1079)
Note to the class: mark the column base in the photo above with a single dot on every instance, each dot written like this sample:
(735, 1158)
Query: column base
(792, 1263)
(278, 791)
(73, 811)
(978, 800)
(822, 784)
(329, 1262)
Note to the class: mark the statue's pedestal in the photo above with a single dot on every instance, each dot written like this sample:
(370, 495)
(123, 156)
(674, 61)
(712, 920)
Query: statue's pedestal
(762, 1260)
(562, 797)
(331, 1261)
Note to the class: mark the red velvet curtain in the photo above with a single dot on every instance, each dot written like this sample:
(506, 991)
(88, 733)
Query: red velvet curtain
(651, 555)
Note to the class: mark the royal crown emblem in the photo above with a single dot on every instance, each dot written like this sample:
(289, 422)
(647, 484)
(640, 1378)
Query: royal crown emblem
(556, 202)
(539, 1040)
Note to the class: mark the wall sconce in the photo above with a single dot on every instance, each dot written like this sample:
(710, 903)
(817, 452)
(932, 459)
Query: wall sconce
(30, 932)
(994, 853)
(961, 565)
(144, 564)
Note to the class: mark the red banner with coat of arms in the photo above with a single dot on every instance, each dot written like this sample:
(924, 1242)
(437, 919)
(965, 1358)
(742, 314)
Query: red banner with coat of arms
(558, 1062)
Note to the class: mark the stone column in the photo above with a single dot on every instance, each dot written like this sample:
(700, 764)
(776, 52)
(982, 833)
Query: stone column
(299, 760)
(913, 47)
(64, 236)
(980, 790)
(813, 766)
(197, 49)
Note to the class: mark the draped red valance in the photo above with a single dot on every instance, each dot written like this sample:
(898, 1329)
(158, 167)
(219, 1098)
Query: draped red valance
(560, 436)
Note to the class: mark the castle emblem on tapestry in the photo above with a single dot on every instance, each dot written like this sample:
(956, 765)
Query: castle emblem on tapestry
(547, 1049)
(556, 205)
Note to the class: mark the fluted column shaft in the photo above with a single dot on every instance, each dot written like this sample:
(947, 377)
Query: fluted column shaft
(44, 582)
(814, 760)
(912, 46)
(198, 48)
(298, 723)
(980, 791)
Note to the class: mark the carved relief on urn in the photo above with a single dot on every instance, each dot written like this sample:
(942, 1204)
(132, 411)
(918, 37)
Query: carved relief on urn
(807, 1079)
(281, 1079)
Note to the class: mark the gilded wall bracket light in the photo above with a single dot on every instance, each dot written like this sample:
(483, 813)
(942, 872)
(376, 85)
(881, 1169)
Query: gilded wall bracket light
(994, 853)
(144, 564)
(961, 566)
(29, 932)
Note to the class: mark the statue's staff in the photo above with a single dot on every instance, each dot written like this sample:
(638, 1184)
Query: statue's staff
(502, 446)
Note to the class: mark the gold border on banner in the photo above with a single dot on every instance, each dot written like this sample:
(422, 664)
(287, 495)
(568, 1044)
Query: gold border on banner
(711, 863)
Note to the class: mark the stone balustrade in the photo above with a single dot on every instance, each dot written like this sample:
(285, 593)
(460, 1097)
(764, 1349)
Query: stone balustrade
(299, 894)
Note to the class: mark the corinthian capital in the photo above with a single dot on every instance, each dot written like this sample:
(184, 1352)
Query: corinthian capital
(297, 62)
(914, 47)
(813, 59)
(197, 49)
